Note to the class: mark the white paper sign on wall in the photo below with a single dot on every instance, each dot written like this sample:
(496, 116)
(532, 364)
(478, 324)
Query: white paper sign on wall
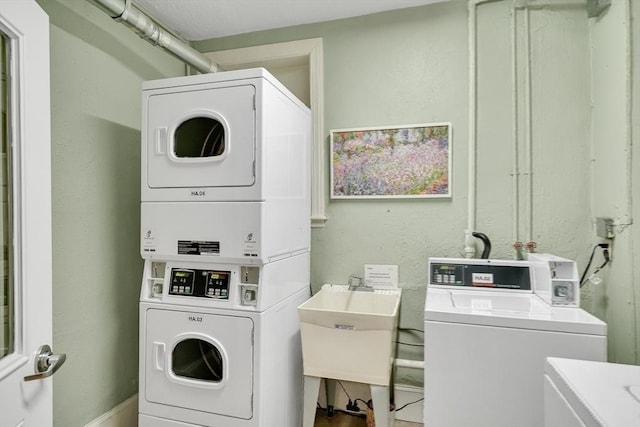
(381, 276)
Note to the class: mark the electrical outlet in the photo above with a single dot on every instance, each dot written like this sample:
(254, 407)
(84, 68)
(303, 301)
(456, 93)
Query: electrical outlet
(604, 227)
(353, 407)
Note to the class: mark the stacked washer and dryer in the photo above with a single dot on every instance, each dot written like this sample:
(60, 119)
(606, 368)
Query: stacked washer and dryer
(225, 238)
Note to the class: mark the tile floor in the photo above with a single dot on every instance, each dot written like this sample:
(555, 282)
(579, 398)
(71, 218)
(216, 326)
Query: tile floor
(345, 420)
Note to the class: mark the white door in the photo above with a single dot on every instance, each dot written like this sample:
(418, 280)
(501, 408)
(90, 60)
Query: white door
(25, 221)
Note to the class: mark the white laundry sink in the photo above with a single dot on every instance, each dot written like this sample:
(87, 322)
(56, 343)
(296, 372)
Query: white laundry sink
(350, 335)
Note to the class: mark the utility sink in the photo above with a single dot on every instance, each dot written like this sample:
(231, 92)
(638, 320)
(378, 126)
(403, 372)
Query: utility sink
(349, 334)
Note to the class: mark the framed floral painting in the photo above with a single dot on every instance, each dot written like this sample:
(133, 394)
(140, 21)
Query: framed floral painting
(391, 162)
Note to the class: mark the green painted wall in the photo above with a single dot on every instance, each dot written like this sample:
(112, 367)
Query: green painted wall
(615, 136)
(633, 274)
(401, 67)
(97, 67)
(411, 66)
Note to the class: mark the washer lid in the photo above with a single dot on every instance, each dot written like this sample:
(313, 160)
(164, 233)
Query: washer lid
(601, 394)
(509, 310)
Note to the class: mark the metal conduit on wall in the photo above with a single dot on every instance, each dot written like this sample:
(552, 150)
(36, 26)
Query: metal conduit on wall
(124, 11)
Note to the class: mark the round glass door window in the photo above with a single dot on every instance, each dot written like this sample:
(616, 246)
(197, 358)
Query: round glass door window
(199, 137)
(197, 359)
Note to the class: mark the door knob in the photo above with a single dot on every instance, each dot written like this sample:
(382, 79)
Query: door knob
(46, 363)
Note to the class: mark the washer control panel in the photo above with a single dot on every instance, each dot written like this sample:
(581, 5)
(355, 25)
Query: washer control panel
(200, 283)
(484, 273)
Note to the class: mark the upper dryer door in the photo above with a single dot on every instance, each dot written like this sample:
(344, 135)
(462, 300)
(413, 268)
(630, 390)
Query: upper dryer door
(201, 138)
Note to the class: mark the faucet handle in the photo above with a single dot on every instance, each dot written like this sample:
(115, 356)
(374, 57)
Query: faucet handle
(355, 281)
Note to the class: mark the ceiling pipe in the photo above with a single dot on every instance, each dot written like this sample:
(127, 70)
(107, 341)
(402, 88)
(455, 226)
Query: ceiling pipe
(122, 10)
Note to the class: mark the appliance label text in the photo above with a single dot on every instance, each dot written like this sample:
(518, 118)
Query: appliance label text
(482, 279)
(200, 247)
(250, 244)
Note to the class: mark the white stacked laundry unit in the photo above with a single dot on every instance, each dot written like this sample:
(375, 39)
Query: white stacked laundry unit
(225, 236)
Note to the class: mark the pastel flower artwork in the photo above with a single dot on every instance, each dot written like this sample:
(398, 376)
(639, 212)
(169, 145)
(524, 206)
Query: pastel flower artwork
(391, 162)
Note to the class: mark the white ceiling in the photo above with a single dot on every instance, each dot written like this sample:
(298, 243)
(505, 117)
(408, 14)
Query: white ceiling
(206, 19)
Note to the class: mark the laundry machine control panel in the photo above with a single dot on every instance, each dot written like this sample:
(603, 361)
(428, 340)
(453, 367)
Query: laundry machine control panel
(200, 283)
(511, 275)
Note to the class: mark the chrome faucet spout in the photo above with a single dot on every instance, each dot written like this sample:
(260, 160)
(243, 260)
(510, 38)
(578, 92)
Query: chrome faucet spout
(357, 284)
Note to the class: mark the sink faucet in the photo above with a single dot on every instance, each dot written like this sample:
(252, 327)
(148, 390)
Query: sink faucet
(357, 284)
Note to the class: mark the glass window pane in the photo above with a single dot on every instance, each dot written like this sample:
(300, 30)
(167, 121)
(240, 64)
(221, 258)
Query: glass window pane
(6, 276)
(199, 137)
(197, 359)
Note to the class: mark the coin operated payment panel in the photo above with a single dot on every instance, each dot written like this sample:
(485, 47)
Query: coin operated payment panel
(557, 280)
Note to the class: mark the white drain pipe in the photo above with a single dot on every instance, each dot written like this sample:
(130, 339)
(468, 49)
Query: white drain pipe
(408, 363)
(149, 30)
(469, 240)
(515, 170)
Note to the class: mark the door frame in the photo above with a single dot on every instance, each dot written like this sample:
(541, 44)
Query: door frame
(309, 51)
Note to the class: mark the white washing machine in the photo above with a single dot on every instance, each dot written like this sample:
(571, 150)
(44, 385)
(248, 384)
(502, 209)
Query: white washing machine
(579, 393)
(487, 335)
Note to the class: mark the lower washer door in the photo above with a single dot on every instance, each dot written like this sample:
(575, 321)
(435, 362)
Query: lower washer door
(200, 361)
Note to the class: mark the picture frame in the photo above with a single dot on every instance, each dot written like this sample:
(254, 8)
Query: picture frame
(408, 161)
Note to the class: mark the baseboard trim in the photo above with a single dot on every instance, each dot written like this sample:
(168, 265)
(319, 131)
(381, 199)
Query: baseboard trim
(126, 413)
(405, 394)
(123, 415)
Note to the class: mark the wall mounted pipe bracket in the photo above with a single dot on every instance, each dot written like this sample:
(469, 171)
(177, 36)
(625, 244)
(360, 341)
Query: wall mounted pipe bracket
(596, 8)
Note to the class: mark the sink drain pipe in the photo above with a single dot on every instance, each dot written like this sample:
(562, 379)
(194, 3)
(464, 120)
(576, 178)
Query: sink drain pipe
(407, 363)
(134, 18)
